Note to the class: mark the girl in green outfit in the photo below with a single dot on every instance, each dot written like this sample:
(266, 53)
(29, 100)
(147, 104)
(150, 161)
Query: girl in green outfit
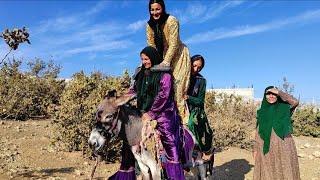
(198, 122)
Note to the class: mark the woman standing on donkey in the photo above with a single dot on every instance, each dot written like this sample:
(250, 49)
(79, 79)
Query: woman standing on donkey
(163, 34)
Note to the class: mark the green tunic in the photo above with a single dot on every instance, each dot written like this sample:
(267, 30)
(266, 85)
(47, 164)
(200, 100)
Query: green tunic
(198, 122)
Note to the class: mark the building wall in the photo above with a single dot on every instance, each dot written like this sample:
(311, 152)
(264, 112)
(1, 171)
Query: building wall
(246, 93)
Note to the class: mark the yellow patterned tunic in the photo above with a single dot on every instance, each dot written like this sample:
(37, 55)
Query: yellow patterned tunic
(177, 55)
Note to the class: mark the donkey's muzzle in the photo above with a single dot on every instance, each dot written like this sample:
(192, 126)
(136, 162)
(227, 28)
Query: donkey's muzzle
(96, 140)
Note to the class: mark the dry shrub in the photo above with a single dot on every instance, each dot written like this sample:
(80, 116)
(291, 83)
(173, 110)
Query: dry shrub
(232, 118)
(28, 94)
(306, 121)
(74, 117)
(38, 92)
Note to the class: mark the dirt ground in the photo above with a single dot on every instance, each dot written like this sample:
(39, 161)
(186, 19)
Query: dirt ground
(25, 153)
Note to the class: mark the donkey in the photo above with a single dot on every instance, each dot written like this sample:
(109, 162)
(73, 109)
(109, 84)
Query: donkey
(116, 118)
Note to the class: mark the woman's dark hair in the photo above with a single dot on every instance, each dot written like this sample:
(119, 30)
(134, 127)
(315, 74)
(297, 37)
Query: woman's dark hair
(153, 55)
(161, 2)
(196, 58)
(157, 25)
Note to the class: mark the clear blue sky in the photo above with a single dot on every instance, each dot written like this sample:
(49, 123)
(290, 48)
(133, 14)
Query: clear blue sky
(244, 42)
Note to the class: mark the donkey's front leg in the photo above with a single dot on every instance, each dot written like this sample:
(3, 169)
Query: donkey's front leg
(143, 167)
(147, 159)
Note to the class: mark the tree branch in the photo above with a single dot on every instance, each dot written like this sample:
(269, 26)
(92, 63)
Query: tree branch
(5, 56)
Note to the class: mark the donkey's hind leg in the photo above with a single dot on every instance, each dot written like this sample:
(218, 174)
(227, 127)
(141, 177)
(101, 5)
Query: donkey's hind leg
(201, 166)
(202, 171)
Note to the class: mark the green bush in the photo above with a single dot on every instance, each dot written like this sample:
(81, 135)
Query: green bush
(306, 121)
(74, 117)
(31, 93)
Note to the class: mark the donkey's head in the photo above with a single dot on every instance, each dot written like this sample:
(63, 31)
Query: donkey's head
(108, 123)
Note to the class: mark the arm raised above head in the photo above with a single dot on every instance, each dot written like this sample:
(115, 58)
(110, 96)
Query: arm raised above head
(289, 99)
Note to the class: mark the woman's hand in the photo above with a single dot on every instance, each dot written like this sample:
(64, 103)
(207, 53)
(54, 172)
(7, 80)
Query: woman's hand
(273, 90)
(254, 154)
(163, 66)
(185, 97)
(146, 117)
(164, 63)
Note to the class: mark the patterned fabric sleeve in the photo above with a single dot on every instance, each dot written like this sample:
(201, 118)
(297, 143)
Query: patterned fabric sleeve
(199, 99)
(289, 99)
(162, 97)
(173, 39)
(150, 36)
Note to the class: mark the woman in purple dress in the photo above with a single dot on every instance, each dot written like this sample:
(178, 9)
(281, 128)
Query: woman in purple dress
(154, 91)
(155, 99)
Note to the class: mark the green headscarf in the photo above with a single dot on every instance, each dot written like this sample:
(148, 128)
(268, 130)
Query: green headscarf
(276, 116)
(146, 81)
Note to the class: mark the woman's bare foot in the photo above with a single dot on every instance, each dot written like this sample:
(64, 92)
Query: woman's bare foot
(206, 157)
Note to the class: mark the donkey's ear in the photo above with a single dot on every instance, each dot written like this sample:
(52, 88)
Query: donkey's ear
(111, 93)
(124, 99)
